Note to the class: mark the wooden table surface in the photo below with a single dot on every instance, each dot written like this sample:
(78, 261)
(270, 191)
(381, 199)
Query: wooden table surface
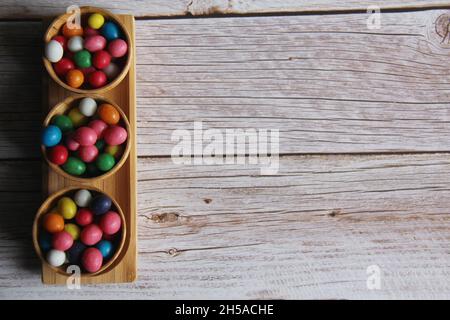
(364, 179)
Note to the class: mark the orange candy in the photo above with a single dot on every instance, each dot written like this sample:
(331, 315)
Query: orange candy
(75, 78)
(109, 113)
(71, 32)
(53, 223)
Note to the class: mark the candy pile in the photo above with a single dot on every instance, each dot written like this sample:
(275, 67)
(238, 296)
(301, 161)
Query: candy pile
(88, 57)
(83, 230)
(87, 141)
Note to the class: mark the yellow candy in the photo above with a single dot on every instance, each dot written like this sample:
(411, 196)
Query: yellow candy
(67, 208)
(73, 230)
(78, 119)
(96, 20)
(115, 151)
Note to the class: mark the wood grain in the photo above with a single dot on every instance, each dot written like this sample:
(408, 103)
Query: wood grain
(226, 232)
(329, 85)
(14, 9)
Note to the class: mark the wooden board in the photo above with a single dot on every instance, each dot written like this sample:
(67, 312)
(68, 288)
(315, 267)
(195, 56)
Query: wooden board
(14, 9)
(121, 185)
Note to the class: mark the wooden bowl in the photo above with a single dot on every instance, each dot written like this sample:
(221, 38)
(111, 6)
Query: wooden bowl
(50, 203)
(55, 28)
(70, 103)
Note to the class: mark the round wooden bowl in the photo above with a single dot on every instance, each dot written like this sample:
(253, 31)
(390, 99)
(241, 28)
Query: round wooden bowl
(72, 102)
(50, 203)
(56, 26)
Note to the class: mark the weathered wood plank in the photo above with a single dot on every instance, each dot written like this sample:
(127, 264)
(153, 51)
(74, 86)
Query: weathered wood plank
(329, 85)
(226, 232)
(14, 9)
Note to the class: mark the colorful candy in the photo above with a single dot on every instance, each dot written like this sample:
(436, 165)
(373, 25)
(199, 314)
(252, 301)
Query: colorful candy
(88, 50)
(86, 150)
(81, 241)
(53, 222)
(110, 223)
(87, 107)
(58, 155)
(54, 51)
(51, 136)
(91, 234)
(75, 78)
(92, 260)
(101, 204)
(56, 258)
(62, 241)
(84, 217)
(67, 208)
(82, 198)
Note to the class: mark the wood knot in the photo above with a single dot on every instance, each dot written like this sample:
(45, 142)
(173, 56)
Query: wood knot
(173, 252)
(165, 217)
(207, 201)
(439, 33)
(335, 212)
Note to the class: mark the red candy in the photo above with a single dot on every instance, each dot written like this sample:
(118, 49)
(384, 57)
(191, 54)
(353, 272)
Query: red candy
(84, 217)
(58, 155)
(85, 136)
(91, 234)
(62, 40)
(115, 135)
(92, 259)
(63, 66)
(97, 79)
(88, 32)
(110, 223)
(99, 127)
(101, 59)
(88, 153)
(117, 48)
(62, 241)
(87, 71)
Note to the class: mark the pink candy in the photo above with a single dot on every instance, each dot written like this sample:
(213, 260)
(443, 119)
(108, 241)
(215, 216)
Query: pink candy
(91, 234)
(99, 127)
(62, 241)
(88, 153)
(71, 144)
(92, 259)
(94, 43)
(115, 135)
(110, 222)
(85, 136)
(118, 48)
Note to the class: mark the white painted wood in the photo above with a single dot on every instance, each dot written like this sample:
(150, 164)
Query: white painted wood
(329, 85)
(13, 9)
(227, 232)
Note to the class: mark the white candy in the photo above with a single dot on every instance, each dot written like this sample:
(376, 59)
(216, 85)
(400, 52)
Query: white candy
(75, 44)
(82, 198)
(87, 107)
(111, 71)
(56, 258)
(54, 51)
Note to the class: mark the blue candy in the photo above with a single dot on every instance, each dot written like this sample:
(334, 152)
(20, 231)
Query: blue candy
(110, 31)
(106, 248)
(100, 204)
(51, 136)
(75, 251)
(45, 241)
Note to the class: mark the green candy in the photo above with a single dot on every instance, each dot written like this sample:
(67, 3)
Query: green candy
(83, 59)
(74, 166)
(100, 144)
(63, 122)
(105, 162)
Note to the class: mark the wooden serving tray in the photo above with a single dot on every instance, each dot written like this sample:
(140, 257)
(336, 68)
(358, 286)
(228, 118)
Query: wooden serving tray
(121, 185)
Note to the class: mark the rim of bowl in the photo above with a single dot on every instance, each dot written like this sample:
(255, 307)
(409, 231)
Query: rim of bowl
(60, 21)
(67, 102)
(44, 209)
